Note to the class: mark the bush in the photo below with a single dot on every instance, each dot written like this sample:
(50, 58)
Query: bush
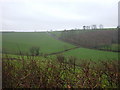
(34, 51)
(60, 58)
(56, 73)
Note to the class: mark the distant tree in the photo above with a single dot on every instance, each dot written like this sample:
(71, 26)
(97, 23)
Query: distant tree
(94, 27)
(88, 27)
(101, 26)
(84, 27)
(65, 30)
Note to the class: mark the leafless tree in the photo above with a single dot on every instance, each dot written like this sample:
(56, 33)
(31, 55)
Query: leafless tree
(88, 27)
(94, 27)
(101, 26)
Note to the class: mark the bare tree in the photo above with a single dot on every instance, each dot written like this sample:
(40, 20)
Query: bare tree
(94, 27)
(101, 26)
(88, 27)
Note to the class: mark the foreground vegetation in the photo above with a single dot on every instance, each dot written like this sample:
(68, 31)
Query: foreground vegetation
(60, 72)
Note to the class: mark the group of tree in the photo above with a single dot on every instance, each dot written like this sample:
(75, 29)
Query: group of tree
(93, 39)
(92, 27)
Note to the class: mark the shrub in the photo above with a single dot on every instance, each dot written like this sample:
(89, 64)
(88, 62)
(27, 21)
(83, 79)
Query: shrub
(50, 73)
(34, 51)
(60, 58)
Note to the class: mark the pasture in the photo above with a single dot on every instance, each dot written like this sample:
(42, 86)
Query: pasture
(90, 54)
(14, 41)
(115, 47)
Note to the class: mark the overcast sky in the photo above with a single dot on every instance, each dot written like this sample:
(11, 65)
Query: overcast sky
(29, 15)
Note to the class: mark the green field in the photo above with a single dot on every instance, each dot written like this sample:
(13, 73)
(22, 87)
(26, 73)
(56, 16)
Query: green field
(115, 47)
(14, 41)
(57, 33)
(26, 40)
(89, 54)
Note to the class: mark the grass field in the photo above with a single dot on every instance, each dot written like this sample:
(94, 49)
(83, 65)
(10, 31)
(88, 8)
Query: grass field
(48, 44)
(89, 54)
(57, 33)
(115, 47)
(26, 40)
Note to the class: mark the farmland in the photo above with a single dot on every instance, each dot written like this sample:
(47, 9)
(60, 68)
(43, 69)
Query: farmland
(23, 41)
(114, 47)
(26, 40)
(90, 54)
(61, 62)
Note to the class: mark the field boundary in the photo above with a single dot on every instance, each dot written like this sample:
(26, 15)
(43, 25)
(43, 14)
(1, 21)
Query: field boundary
(62, 51)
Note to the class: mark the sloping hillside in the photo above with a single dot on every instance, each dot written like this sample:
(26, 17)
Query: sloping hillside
(90, 38)
(14, 41)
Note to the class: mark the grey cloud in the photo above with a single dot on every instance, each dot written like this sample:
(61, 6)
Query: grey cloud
(57, 15)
